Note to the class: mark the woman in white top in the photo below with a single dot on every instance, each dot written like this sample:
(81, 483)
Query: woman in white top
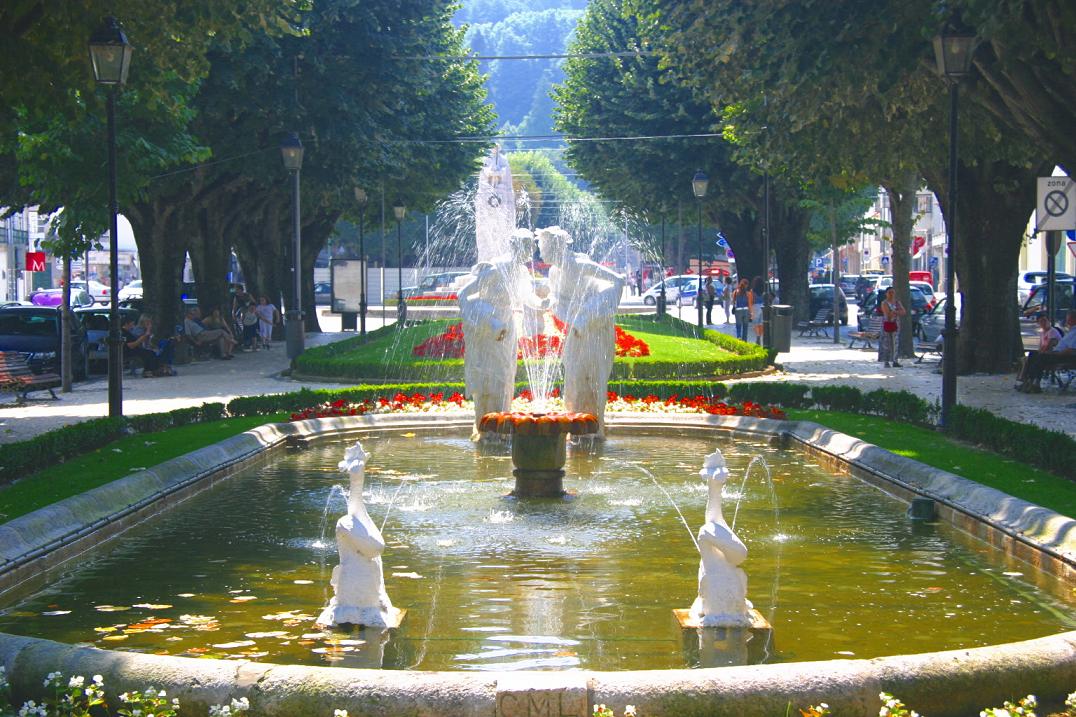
(267, 317)
(892, 310)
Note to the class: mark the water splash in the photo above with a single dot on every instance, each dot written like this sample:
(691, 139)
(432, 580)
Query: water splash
(668, 497)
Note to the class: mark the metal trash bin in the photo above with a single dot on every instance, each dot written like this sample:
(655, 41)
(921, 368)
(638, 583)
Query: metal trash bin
(781, 327)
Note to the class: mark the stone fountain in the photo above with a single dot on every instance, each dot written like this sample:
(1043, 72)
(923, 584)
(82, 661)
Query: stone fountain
(358, 581)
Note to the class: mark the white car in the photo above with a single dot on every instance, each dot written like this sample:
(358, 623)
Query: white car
(133, 290)
(673, 285)
(1027, 281)
(97, 291)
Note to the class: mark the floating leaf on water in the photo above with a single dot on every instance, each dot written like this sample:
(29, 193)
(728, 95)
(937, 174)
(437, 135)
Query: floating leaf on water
(307, 642)
(244, 598)
(407, 435)
(303, 582)
(412, 576)
(185, 595)
(110, 628)
(934, 589)
(198, 650)
(115, 637)
(351, 643)
(234, 645)
(253, 654)
(152, 606)
(51, 613)
(1012, 574)
(174, 638)
(272, 633)
(111, 608)
(289, 615)
(236, 592)
(330, 650)
(848, 653)
(314, 635)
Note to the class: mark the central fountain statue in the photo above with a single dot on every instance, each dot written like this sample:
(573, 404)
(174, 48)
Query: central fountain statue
(585, 297)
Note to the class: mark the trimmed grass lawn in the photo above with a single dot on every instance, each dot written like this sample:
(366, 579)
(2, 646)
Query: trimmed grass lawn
(116, 460)
(934, 449)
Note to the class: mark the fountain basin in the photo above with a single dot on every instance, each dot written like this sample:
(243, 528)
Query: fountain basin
(986, 675)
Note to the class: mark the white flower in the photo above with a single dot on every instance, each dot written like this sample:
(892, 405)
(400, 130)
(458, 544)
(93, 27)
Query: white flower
(76, 681)
(162, 693)
(125, 697)
(1070, 701)
(629, 711)
(98, 680)
(241, 705)
(340, 713)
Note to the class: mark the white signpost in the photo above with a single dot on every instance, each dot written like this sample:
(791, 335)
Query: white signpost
(1055, 208)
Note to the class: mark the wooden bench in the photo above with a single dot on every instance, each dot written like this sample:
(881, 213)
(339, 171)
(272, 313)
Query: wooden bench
(819, 325)
(922, 348)
(873, 333)
(15, 375)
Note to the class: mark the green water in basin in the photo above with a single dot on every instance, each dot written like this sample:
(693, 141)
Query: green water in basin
(590, 582)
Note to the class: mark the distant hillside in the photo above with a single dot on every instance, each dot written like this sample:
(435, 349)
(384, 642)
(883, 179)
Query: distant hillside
(519, 89)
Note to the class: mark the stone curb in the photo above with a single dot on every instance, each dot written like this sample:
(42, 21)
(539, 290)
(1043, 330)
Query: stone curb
(946, 683)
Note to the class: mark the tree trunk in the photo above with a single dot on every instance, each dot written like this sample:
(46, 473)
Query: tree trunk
(162, 238)
(788, 237)
(314, 238)
(901, 194)
(744, 234)
(995, 200)
(210, 258)
(262, 251)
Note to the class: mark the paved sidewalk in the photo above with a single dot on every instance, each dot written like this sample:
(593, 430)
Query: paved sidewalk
(812, 360)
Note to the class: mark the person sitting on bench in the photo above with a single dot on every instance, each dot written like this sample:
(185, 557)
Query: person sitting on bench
(201, 336)
(1061, 353)
(136, 347)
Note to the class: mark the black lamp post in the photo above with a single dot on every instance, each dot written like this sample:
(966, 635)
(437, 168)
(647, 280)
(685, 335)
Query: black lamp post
(399, 211)
(661, 291)
(362, 200)
(699, 183)
(110, 55)
(767, 295)
(291, 150)
(953, 51)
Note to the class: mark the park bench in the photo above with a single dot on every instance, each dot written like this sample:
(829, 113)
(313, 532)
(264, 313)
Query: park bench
(873, 332)
(15, 375)
(1062, 374)
(819, 325)
(922, 348)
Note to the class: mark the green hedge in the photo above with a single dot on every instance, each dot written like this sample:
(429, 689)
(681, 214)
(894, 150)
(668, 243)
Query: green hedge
(1050, 450)
(22, 458)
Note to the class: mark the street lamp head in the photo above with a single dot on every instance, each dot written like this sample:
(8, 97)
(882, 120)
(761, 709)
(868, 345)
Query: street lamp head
(699, 183)
(399, 210)
(110, 54)
(361, 197)
(291, 150)
(954, 49)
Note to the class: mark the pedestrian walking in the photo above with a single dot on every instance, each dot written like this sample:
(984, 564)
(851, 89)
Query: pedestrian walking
(741, 306)
(757, 291)
(268, 317)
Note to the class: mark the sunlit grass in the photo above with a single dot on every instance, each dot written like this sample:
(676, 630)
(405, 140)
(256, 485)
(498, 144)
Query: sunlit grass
(116, 460)
(935, 449)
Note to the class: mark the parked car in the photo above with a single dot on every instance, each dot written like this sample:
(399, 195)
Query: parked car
(34, 331)
(928, 291)
(1027, 281)
(870, 307)
(674, 286)
(95, 322)
(323, 292)
(821, 297)
(848, 285)
(97, 291)
(55, 297)
(1063, 300)
(444, 282)
(932, 322)
(132, 290)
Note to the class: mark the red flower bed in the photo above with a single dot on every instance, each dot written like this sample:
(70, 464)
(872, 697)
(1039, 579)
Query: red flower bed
(432, 297)
(628, 345)
(450, 344)
(446, 345)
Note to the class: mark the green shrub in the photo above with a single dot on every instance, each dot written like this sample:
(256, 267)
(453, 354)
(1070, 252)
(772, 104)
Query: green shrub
(1037, 446)
(838, 398)
(777, 393)
(24, 457)
(899, 405)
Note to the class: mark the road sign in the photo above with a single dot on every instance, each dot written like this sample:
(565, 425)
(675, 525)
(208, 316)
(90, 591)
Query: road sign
(819, 263)
(721, 240)
(918, 242)
(885, 261)
(1072, 248)
(933, 262)
(1055, 208)
(35, 261)
(729, 254)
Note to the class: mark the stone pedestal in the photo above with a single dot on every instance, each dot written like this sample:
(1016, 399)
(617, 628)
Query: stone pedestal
(539, 462)
(725, 646)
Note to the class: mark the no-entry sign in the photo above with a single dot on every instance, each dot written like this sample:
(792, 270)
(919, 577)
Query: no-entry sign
(1055, 209)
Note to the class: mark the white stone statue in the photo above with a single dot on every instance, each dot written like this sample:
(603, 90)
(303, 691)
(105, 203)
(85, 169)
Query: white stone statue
(722, 600)
(358, 581)
(585, 296)
(488, 305)
(495, 206)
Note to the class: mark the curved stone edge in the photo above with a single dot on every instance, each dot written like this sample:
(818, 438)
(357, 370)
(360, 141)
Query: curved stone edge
(957, 682)
(1038, 527)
